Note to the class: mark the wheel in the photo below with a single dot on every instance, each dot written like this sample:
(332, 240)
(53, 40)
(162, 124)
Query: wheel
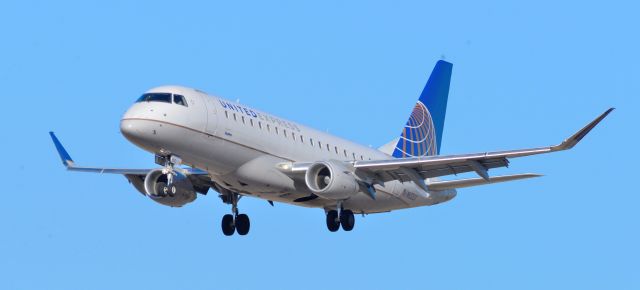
(347, 220)
(333, 223)
(228, 226)
(161, 189)
(169, 190)
(242, 224)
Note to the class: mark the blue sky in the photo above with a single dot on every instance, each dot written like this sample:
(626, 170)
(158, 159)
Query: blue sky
(525, 74)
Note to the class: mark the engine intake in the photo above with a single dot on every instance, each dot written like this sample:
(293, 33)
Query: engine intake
(180, 193)
(331, 180)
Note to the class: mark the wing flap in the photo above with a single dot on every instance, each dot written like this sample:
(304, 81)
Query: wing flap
(453, 184)
(455, 169)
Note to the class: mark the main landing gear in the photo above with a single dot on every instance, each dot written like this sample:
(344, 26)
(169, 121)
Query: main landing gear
(340, 217)
(234, 222)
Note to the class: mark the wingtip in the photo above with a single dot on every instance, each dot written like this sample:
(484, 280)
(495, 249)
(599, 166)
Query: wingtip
(577, 137)
(532, 175)
(62, 152)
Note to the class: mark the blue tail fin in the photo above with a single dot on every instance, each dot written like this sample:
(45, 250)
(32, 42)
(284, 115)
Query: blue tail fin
(422, 135)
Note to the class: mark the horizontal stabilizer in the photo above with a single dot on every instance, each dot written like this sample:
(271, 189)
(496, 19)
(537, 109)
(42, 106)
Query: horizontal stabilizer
(451, 184)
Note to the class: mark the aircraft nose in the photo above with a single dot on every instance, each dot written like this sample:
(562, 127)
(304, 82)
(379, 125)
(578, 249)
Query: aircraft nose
(129, 129)
(130, 124)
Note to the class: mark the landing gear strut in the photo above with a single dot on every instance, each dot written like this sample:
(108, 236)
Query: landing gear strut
(236, 221)
(340, 217)
(170, 164)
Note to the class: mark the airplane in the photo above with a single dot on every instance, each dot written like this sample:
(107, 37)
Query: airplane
(204, 142)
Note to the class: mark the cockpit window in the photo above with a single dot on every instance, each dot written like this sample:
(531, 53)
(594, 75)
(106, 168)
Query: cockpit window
(179, 99)
(155, 97)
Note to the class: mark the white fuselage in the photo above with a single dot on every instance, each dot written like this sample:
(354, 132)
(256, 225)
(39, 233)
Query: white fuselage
(240, 147)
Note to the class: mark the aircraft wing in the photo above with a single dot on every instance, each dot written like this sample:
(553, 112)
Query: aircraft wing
(70, 165)
(197, 176)
(417, 169)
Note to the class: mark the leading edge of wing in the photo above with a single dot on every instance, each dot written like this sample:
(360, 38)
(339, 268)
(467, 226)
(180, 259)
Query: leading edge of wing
(70, 164)
(390, 164)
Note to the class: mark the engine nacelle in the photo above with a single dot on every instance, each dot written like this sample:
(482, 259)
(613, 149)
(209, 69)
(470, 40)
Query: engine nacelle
(331, 180)
(179, 194)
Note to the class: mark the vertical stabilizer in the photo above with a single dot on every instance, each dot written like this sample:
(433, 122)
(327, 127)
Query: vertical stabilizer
(422, 134)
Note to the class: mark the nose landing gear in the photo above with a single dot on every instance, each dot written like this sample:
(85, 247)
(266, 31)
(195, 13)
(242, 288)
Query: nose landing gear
(170, 164)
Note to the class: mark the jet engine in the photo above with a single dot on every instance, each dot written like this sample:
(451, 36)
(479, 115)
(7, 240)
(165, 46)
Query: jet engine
(331, 180)
(179, 193)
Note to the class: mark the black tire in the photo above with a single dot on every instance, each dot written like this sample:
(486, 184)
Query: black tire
(333, 223)
(242, 224)
(347, 220)
(160, 187)
(228, 227)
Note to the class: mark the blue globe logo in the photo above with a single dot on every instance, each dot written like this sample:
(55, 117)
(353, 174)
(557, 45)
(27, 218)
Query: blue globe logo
(419, 135)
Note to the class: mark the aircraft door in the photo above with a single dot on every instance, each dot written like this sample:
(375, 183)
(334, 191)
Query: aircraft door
(212, 116)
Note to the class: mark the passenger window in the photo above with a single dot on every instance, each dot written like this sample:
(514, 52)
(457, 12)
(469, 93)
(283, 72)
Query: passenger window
(251, 122)
(328, 148)
(345, 152)
(179, 100)
(260, 125)
(336, 148)
(268, 128)
(293, 136)
(234, 117)
(319, 145)
(226, 114)
(285, 132)
(354, 155)
(301, 139)
(277, 132)
(242, 119)
(361, 158)
(311, 141)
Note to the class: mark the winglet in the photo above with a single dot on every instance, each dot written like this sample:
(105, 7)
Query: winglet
(64, 155)
(575, 138)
